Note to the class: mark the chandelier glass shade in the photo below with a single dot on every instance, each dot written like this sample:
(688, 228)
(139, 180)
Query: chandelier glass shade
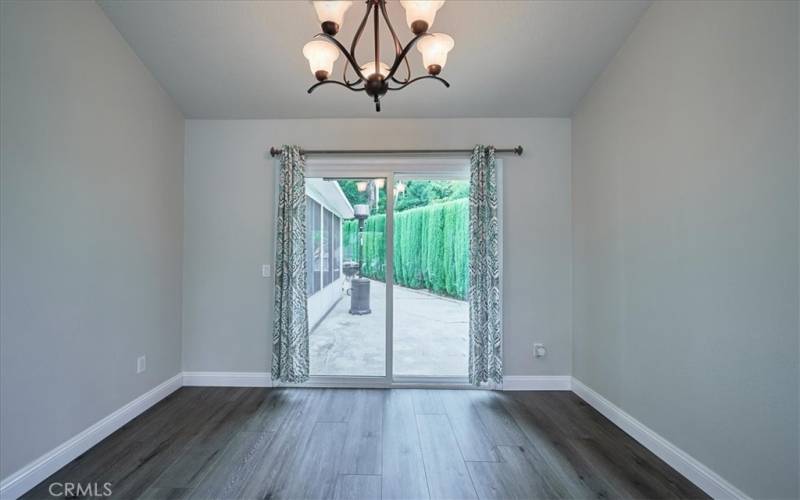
(376, 77)
(321, 56)
(421, 11)
(371, 68)
(332, 11)
(434, 51)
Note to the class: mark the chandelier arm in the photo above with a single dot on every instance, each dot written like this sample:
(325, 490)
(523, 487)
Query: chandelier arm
(408, 73)
(348, 82)
(345, 53)
(433, 77)
(398, 47)
(345, 85)
(404, 54)
(356, 38)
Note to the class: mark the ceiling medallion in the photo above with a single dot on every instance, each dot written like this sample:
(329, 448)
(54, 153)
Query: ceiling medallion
(375, 77)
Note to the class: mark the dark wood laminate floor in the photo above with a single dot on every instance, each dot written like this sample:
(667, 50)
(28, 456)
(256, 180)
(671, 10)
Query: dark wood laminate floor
(372, 443)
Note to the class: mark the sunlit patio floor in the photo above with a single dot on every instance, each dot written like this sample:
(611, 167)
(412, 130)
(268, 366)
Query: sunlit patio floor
(430, 336)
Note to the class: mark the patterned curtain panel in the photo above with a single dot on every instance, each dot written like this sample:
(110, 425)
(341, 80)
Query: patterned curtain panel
(290, 326)
(485, 323)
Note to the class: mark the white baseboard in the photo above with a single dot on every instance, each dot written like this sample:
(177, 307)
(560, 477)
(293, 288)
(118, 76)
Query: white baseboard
(37, 471)
(537, 383)
(706, 479)
(227, 379)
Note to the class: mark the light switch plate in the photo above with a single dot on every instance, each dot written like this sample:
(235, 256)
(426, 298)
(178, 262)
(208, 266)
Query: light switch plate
(266, 270)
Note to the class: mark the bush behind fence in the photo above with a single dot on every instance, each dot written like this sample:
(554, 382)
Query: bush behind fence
(431, 247)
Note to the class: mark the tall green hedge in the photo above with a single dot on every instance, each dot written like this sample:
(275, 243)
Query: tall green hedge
(431, 247)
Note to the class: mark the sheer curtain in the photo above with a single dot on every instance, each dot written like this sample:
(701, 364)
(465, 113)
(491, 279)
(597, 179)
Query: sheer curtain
(485, 322)
(290, 324)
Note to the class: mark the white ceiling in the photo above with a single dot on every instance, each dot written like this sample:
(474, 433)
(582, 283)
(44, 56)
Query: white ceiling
(242, 59)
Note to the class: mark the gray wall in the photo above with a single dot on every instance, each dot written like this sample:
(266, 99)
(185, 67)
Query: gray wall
(91, 225)
(229, 196)
(685, 205)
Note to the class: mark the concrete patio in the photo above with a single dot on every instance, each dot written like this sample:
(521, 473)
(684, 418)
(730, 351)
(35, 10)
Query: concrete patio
(430, 336)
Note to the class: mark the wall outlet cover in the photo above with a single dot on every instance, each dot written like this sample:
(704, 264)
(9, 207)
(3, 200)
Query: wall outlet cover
(141, 364)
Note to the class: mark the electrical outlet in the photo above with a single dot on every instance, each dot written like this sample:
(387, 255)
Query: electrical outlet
(266, 270)
(539, 351)
(141, 364)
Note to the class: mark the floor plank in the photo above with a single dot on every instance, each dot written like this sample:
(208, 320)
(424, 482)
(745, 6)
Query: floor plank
(272, 412)
(499, 424)
(427, 402)
(164, 494)
(444, 467)
(236, 466)
(357, 487)
(362, 447)
(470, 433)
(273, 475)
(403, 474)
(337, 404)
(512, 478)
(188, 469)
(315, 471)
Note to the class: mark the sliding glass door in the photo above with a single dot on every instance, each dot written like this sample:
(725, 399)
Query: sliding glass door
(431, 268)
(387, 271)
(345, 238)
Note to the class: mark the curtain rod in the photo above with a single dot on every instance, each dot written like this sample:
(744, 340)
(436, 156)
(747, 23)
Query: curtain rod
(273, 151)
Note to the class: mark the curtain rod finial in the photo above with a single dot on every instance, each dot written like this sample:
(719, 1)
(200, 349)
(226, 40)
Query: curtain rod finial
(273, 151)
(518, 150)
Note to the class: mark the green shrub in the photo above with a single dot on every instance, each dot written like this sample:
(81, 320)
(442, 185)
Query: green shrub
(431, 247)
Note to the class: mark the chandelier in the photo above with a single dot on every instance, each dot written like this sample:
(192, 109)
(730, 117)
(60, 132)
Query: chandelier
(375, 77)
